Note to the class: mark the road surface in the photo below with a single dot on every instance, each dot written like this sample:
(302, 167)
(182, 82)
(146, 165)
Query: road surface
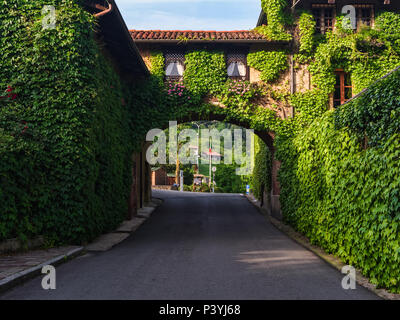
(198, 246)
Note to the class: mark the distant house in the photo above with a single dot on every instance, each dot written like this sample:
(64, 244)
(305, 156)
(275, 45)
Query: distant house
(159, 177)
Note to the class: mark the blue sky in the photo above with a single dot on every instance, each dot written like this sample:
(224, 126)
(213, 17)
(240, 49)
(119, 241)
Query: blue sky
(220, 15)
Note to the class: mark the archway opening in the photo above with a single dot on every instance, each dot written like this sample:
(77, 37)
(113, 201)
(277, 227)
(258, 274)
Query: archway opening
(211, 156)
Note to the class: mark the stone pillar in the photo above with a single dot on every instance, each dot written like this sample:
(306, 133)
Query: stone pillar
(143, 177)
(275, 190)
(139, 180)
(133, 198)
(147, 190)
(147, 178)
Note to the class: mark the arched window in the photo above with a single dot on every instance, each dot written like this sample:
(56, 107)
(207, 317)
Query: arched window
(237, 66)
(174, 66)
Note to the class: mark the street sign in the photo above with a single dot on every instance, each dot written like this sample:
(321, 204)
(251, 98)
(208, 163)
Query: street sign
(214, 169)
(247, 189)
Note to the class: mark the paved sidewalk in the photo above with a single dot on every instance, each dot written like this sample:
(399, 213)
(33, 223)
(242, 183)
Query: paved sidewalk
(19, 267)
(17, 262)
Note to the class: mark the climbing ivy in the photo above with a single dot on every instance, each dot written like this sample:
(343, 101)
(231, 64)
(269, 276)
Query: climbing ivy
(270, 63)
(306, 25)
(277, 19)
(345, 199)
(309, 105)
(157, 66)
(367, 54)
(205, 72)
(65, 151)
(375, 114)
(261, 176)
(342, 197)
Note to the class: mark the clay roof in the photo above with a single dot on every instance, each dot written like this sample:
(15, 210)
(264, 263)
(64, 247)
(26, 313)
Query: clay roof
(189, 35)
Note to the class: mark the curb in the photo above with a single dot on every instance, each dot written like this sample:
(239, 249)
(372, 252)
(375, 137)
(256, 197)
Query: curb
(330, 259)
(22, 276)
(109, 240)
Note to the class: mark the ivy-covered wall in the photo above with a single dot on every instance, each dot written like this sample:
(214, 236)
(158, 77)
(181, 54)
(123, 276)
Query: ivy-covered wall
(66, 139)
(278, 19)
(343, 197)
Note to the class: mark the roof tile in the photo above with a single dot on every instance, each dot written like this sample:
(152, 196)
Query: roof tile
(194, 35)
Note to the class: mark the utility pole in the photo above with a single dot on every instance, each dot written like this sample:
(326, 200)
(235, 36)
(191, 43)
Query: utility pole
(177, 171)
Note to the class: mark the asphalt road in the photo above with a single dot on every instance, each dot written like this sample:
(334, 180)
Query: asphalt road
(198, 246)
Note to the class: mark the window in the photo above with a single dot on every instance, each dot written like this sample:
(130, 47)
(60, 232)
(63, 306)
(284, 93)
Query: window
(237, 66)
(317, 16)
(343, 88)
(324, 16)
(365, 14)
(175, 66)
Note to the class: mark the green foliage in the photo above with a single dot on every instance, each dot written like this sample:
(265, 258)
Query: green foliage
(65, 151)
(309, 105)
(157, 66)
(388, 23)
(270, 63)
(261, 177)
(368, 55)
(205, 72)
(307, 40)
(203, 188)
(276, 20)
(188, 175)
(375, 113)
(228, 181)
(345, 199)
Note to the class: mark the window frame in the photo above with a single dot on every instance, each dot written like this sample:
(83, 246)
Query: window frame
(359, 10)
(342, 87)
(322, 29)
(238, 57)
(173, 57)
